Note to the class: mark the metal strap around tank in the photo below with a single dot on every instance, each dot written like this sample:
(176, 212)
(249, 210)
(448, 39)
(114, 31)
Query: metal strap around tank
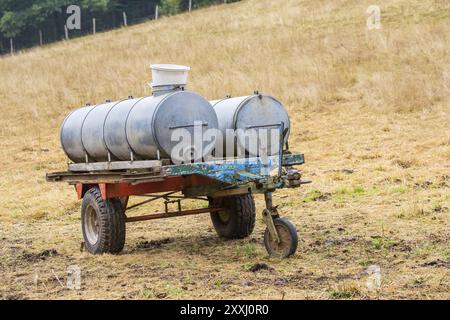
(286, 126)
(239, 108)
(203, 124)
(220, 100)
(158, 146)
(81, 131)
(126, 122)
(103, 130)
(265, 125)
(279, 102)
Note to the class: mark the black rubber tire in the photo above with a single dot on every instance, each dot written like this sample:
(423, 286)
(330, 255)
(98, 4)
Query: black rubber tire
(241, 216)
(111, 223)
(289, 239)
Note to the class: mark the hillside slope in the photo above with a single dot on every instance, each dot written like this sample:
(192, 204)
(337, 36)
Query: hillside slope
(370, 109)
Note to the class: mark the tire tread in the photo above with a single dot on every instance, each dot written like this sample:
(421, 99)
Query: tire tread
(242, 219)
(112, 223)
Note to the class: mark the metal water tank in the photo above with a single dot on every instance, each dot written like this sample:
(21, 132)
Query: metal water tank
(256, 112)
(134, 129)
(70, 134)
(137, 129)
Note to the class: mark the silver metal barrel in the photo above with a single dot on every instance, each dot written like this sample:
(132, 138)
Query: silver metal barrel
(115, 126)
(257, 111)
(92, 134)
(71, 134)
(134, 128)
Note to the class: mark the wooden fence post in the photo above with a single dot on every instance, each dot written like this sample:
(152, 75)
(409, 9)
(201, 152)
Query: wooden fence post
(40, 38)
(156, 12)
(93, 26)
(11, 45)
(190, 5)
(125, 23)
(66, 32)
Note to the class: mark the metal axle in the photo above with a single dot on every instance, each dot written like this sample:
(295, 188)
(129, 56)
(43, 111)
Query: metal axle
(163, 215)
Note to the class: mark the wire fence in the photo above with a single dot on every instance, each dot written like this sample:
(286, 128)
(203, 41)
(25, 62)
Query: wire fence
(55, 27)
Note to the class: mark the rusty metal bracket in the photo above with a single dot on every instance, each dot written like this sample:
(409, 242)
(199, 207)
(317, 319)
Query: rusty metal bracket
(268, 219)
(167, 202)
(153, 198)
(269, 213)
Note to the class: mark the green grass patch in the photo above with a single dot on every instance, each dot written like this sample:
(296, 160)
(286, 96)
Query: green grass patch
(247, 266)
(315, 195)
(346, 290)
(365, 262)
(398, 189)
(247, 250)
(344, 193)
(355, 191)
(335, 294)
(382, 243)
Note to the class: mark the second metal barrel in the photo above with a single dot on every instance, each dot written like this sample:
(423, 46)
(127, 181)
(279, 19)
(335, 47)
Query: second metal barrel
(257, 111)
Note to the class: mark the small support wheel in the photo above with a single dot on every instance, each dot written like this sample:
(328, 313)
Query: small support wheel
(103, 223)
(288, 239)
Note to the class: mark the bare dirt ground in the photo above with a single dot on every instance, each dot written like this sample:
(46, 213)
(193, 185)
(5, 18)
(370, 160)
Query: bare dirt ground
(370, 110)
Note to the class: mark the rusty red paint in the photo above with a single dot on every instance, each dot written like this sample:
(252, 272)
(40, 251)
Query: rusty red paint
(125, 189)
(162, 215)
(79, 189)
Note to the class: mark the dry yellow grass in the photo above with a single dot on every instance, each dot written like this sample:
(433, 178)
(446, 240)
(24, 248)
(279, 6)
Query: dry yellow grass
(370, 109)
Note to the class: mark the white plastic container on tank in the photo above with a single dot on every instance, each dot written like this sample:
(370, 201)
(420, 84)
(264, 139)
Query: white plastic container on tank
(169, 74)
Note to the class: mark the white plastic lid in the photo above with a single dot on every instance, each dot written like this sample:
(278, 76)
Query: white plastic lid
(169, 74)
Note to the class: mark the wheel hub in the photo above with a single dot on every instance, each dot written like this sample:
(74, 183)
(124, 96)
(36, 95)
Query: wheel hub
(224, 216)
(282, 246)
(91, 225)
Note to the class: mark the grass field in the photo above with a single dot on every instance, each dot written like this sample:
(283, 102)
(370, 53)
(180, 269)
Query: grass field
(370, 109)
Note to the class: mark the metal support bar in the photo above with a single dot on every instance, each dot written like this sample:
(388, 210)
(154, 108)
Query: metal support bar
(154, 197)
(268, 219)
(269, 203)
(269, 214)
(203, 124)
(173, 197)
(167, 202)
(232, 192)
(281, 142)
(114, 165)
(280, 150)
(162, 215)
(264, 126)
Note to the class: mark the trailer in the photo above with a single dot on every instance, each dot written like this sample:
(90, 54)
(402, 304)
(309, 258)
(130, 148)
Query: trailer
(227, 187)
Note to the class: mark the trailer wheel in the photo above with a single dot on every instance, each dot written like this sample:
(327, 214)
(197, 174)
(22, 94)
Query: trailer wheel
(103, 223)
(288, 239)
(238, 221)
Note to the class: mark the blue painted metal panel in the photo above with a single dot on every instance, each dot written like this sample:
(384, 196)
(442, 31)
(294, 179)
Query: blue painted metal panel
(234, 171)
